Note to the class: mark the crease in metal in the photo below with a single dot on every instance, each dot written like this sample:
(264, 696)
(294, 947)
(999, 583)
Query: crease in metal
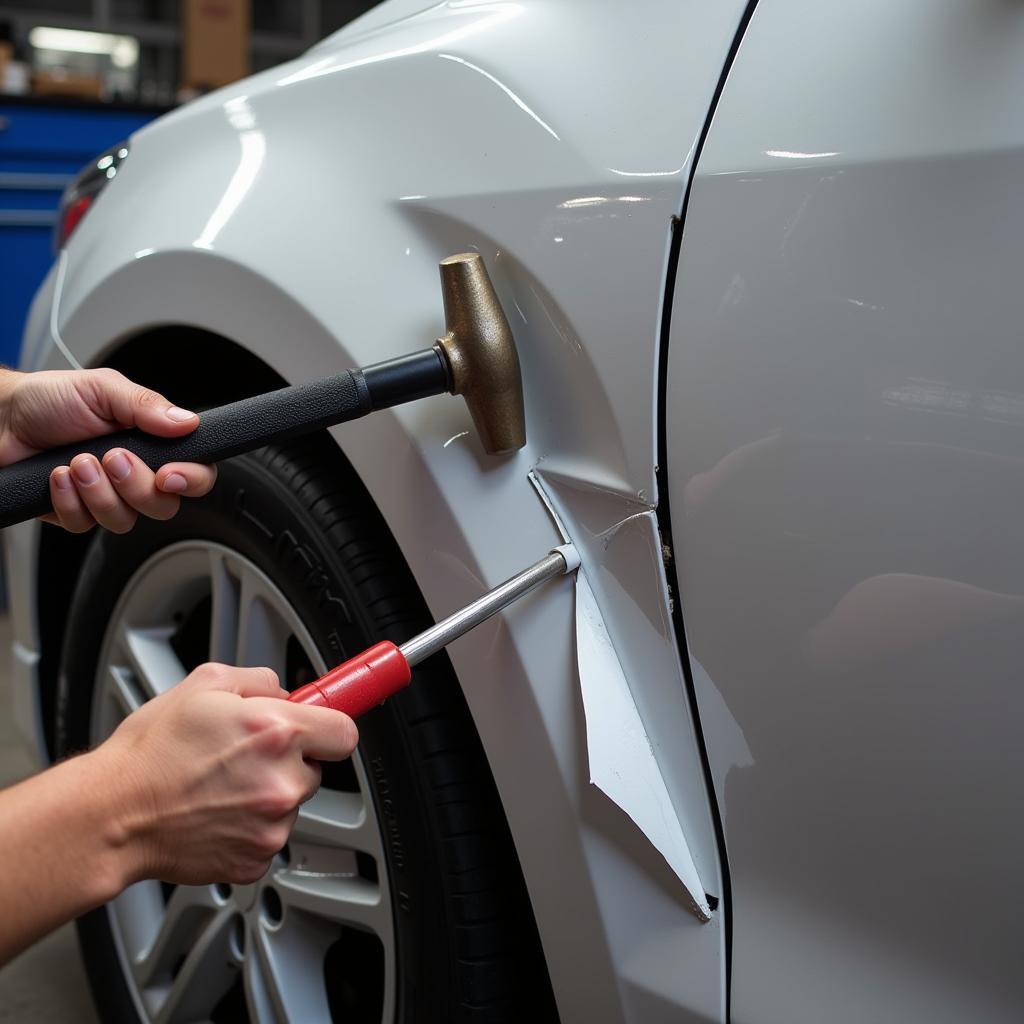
(622, 761)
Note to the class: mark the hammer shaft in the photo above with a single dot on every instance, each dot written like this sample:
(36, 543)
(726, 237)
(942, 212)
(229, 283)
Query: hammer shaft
(238, 427)
(476, 358)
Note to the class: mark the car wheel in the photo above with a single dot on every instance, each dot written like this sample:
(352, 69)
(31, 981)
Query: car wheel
(398, 896)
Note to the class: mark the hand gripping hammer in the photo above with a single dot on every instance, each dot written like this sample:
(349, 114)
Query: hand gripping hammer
(476, 358)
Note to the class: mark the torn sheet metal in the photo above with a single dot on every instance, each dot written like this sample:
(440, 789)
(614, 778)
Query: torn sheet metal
(622, 762)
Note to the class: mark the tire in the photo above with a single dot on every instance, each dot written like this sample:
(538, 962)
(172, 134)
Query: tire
(465, 942)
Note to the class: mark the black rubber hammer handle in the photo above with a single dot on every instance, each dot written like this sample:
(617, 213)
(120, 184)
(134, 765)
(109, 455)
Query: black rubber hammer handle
(239, 427)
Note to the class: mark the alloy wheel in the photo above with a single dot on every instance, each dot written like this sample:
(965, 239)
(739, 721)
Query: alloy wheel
(313, 940)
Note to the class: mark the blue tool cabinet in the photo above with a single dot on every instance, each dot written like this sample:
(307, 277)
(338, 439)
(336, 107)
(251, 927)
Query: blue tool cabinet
(42, 146)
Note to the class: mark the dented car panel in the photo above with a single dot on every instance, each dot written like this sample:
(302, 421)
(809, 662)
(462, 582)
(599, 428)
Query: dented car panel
(302, 213)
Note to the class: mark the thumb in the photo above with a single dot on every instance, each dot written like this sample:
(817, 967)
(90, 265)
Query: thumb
(133, 405)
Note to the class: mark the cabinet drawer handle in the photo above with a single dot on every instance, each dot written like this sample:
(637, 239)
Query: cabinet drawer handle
(28, 218)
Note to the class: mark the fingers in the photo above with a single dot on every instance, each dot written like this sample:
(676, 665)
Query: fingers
(319, 734)
(246, 682)
(136, 484)
(68, 508)
(325, 735)
(83, 496)
(188, 479)
(117, 398)
(272, 837)
(115, 492)
(311, 775)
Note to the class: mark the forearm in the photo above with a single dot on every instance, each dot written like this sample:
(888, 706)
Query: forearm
(65, 851)
(199, 785)
(8, 379)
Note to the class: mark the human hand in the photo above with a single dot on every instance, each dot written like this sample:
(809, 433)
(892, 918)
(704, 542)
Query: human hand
(211, 775)
(55, 407)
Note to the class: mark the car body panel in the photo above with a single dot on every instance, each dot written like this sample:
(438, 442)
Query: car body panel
(846, 382)
(302, 213)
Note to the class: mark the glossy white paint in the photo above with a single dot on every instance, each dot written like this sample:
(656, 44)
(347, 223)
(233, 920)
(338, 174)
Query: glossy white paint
(303, 212)
(847, 402)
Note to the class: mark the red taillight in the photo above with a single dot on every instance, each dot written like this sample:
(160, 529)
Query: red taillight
(72, 214)
(79, 196)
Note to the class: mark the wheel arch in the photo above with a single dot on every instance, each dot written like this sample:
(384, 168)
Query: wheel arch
(146, 357)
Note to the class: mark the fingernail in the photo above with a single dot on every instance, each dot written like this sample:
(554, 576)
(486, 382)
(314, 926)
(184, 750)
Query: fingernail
(175, 483)
(117, 465)
(86, 472)
(179, 415)
(62, 478)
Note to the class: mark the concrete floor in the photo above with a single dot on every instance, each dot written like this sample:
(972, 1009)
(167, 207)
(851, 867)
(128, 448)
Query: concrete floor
(46, 984)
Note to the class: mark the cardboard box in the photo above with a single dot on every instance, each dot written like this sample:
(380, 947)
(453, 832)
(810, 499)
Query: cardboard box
(53, 83)
(215, 42)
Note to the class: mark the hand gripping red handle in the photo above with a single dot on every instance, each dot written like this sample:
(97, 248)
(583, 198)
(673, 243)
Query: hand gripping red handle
(359, 684)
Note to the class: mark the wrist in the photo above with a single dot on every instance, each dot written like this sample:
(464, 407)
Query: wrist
(119, 815)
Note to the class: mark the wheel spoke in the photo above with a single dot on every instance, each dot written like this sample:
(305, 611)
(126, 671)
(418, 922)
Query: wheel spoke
(262, 633)
(154, 664)
(208, 972)
(343, 898)
(137, 913)
(284, 978)
(223, 610)
(337, 820)
(260, 993)
(188, 909)
(123, 689)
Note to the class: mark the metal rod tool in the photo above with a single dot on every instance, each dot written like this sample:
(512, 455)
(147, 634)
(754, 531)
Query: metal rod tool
(363, 682)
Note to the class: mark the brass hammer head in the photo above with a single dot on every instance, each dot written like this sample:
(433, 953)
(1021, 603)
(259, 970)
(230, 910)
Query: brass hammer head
(481, 353)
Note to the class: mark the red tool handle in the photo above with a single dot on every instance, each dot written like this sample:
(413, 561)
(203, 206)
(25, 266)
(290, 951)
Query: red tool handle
(359, 684)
